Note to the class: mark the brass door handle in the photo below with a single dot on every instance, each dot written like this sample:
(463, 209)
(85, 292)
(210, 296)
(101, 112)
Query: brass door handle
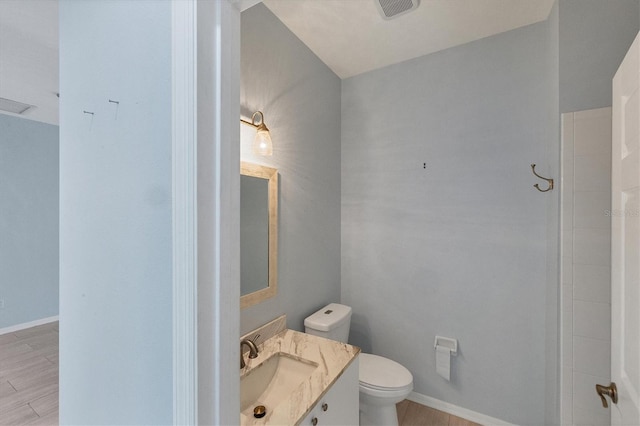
(611, 391)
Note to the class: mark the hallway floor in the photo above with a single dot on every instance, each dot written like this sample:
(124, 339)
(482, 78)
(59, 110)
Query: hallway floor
(29, 376)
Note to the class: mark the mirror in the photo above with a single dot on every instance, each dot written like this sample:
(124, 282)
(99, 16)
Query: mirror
(258, 233)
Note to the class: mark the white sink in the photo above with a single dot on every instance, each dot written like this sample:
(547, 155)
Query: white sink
(272, 381)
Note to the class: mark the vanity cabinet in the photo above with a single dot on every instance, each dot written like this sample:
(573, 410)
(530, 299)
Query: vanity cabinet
(339, 406)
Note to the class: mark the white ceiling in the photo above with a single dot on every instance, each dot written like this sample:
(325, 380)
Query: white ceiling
(351, 37)
(348, 35)
(29, 56)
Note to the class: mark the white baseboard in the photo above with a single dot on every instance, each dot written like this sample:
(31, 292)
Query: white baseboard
(29, 324)
(457, 411)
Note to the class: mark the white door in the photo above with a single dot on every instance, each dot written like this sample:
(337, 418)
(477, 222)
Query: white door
(625, 241)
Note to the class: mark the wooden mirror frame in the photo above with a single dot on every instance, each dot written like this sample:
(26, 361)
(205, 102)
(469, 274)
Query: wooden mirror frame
(271, 174)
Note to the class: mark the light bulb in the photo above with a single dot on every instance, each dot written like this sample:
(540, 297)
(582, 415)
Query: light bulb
(262, 143)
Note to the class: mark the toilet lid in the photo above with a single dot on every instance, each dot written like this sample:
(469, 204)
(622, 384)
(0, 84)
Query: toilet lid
(380, 372)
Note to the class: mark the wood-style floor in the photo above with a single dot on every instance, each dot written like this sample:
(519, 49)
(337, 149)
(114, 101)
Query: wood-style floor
(29, 383)
(414, 414)
(29, 376)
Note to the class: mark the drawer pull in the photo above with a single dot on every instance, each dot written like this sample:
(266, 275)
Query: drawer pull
(314, 421)
(325, 406)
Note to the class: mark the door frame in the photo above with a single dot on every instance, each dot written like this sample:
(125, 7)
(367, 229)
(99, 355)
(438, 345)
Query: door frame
(205, 39)
(184, 211)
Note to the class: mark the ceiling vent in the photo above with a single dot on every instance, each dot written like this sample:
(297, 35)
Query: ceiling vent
(390, 9)
(14, 106)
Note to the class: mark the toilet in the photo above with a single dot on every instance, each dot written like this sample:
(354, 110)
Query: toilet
(383, 382)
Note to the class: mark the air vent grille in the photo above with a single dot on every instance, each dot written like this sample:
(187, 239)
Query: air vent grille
(14, 106)
(393, 8)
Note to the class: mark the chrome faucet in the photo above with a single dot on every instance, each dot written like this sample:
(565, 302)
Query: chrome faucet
(253, 351)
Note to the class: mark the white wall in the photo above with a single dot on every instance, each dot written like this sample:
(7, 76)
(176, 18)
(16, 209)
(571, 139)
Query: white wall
(458, 248)
(115, 215)
(586, 264)
(300, 98)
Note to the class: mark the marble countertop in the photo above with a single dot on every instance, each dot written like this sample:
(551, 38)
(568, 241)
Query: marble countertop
(332, 358)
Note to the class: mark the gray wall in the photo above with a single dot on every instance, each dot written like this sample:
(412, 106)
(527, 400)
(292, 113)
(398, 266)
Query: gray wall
(552, 168)
(457, 248)
(28, 220)
(594, 37)
(300, 97)
(115, 216)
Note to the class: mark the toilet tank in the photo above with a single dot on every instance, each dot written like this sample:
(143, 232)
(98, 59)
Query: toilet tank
(331, 322)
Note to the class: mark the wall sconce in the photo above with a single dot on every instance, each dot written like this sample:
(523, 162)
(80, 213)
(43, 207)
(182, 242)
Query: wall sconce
(262, 144)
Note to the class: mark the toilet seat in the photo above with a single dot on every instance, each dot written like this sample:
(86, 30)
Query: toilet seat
(382, 374)
(397, 394)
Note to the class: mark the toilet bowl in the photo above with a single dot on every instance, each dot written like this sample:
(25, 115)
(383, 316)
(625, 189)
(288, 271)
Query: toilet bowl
(383, 382)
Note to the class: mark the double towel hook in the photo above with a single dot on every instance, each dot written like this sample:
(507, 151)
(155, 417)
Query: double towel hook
(549, 181)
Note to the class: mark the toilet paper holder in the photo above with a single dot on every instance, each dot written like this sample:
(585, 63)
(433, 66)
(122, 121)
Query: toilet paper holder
(446, 342)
